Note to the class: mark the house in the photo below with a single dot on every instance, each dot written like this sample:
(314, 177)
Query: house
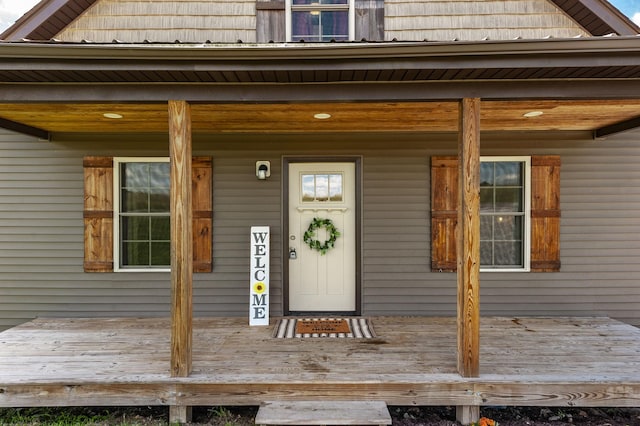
(392, 120)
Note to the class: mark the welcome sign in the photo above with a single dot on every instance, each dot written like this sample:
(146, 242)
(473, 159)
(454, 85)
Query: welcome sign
(259, 290)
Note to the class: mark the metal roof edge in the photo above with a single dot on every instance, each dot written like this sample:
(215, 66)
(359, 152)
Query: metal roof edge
(320, 51)
(32, 19)
(612, 16)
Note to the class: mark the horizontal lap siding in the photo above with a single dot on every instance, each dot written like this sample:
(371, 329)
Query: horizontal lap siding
(600, 201)
(41, 236)
(41, 242)
(600, 197)
(396, 246)
(476, 20)
(41, 232)
(240, 201)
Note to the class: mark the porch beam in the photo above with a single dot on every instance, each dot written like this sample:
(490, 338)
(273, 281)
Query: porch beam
(322, 92)
(181, 238)
(468, 238)
(615, 128)
(25, 129)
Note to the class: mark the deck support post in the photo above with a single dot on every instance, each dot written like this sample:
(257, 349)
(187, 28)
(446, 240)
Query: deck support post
(468, 248)
(181, 247)
(467, 414)
(180, 414)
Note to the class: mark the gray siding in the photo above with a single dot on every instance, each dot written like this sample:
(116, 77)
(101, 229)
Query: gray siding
(41, 233)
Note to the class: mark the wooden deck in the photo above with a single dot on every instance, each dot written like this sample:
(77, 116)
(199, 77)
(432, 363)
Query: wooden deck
(524, 361)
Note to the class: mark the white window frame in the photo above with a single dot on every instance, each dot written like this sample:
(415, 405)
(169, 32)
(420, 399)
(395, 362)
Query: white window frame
(116, 212)
(527, 212)
(352, 16)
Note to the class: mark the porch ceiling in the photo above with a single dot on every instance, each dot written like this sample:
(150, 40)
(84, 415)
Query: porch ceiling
(442, 116)
(583, 85)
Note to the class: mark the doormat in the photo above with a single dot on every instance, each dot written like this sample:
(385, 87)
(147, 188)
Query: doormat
(358, 328)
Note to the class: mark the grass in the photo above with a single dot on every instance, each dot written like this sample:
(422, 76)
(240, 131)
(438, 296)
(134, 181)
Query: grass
(122, 416)
(76, 416)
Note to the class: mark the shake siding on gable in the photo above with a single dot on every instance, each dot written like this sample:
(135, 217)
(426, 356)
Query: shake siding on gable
(165, 21)
(227, 21)
(41, 228)
(476, 20)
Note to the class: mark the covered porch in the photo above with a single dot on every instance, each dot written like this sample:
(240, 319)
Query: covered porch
(525, 361)
(461, 89)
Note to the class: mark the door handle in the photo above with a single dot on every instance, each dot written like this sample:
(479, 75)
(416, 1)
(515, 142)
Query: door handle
(292, 253)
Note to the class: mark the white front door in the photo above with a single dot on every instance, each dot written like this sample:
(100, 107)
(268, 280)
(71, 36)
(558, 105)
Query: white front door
(322, 282)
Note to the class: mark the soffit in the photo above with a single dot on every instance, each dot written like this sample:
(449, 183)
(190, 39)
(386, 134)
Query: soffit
(592, 58)
(597, 17)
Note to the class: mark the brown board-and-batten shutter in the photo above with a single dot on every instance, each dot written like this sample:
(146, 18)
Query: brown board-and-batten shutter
(270, 21)
(202, 200)
(545, 213)
(369, 20)
(98, 214)
(444, 213)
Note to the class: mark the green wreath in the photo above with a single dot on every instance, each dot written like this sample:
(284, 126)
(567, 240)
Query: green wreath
(310, 234)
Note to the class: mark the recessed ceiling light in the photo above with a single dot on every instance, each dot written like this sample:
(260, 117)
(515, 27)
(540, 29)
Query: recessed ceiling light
(322, 116)
(533, 114)
(111, 115)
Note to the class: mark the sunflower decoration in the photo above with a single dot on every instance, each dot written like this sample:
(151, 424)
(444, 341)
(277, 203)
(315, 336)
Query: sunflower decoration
(259, 287)
(310, 235)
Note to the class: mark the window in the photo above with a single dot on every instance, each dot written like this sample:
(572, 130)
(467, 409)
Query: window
(322, 187)
(519, 213)
(142, 214)
(504, 213)
(102, 219)
(320, 20)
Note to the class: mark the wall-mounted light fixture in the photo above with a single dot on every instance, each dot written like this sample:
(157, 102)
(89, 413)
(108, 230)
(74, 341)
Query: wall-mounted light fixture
(263, 169)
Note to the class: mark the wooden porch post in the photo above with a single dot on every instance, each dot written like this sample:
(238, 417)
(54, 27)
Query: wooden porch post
(468, 248)
(181, 247)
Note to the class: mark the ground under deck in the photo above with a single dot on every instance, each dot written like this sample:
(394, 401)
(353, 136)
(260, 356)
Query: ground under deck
(524, 361)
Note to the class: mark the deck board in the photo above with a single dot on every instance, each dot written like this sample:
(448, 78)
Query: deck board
(125, 361)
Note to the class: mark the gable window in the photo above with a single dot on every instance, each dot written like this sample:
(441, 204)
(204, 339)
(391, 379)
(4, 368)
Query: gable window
(142, 217)
(519, 213)
(320, 20)
(504, 213)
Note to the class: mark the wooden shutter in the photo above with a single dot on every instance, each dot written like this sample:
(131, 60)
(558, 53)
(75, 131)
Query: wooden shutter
(444, 213)
(98, 214)
(369, 20)
(545, 213)
(202, 199)
(270, 21)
